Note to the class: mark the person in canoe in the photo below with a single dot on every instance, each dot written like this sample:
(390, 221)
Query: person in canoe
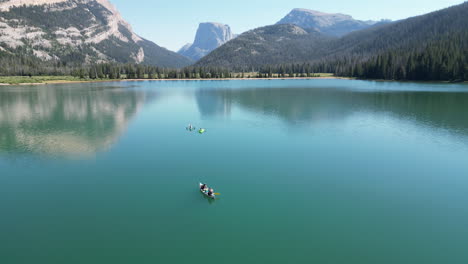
(211, 192)
(203, 187)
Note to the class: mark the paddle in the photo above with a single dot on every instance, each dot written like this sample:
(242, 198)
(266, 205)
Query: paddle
(217, 194)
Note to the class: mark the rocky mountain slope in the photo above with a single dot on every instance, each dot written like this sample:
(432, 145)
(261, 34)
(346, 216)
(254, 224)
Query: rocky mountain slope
(209, 37)
(76, 32)
(330, 24)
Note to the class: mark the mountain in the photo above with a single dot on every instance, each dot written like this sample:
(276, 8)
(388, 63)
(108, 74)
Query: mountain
(428, 47)
(209, 37)
(330, 24)
(274, 44)
(184, 48)
(410, 34)
(76, 32)
(303, 35)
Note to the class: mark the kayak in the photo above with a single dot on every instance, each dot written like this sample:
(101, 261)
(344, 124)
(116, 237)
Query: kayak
(205, 193)
(201, 131)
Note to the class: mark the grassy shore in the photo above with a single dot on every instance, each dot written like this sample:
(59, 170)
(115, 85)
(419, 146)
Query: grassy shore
(36, 79)
(18, 80)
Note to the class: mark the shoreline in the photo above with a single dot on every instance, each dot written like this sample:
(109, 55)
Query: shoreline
(211, 79)
(172, 80)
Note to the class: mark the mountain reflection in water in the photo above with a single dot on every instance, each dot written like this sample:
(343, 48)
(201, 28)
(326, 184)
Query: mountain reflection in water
(54, 120)
(216, 104)
(301, 105)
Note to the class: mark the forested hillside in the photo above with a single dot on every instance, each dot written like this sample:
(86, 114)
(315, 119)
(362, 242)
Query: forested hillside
(429, 47)
(268, 45)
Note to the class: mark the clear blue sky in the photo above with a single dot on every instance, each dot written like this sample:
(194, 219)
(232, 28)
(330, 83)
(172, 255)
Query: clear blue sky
(172, 24)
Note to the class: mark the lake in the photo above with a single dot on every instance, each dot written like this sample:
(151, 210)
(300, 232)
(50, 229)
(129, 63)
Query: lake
(309, 171)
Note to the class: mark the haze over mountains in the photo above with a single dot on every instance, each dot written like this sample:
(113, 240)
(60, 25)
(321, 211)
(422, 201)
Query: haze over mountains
(76, 31)
(209, 37)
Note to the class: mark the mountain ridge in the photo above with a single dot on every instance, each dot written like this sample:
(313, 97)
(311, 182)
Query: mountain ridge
(267, 45)
(76, 31)
(334, 24)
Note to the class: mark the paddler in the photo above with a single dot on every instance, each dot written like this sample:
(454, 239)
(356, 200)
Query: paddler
(211, 192)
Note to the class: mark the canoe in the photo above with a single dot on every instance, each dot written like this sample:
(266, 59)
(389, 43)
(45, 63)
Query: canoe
(205, 193)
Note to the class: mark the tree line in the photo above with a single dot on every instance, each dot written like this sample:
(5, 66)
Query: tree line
(30, 66)
(442, 60)
(139, 71)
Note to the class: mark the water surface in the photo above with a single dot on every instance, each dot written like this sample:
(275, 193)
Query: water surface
(309, 171)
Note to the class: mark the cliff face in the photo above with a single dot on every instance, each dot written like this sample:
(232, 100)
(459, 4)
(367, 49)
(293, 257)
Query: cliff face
(78, 31)
(209, 37)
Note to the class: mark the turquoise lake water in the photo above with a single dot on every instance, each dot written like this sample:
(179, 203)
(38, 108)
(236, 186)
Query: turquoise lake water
(309, 171)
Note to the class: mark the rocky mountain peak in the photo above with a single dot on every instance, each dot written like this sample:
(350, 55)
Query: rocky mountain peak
(210, 36)
(330, 24)
(320, 14)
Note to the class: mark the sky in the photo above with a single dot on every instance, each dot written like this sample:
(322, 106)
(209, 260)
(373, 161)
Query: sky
(172, 24)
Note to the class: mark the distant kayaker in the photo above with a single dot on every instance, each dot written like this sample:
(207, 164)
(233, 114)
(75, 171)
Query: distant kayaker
(203, 187)
(210, 192)
(190, 127)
